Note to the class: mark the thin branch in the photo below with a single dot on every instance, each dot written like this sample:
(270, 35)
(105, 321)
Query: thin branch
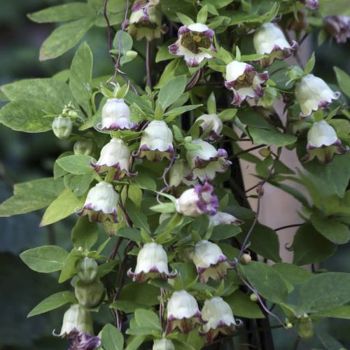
(247, 150)
(287, 226)
(148, 65)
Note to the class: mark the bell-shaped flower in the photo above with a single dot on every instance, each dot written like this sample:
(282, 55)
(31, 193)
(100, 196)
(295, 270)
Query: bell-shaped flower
(221, 218)
(323, 142)
(218, 317)
(197, 201)
(245, 82)
(338, 27)
(116, 115)
(101, 203)
(311, 4)
(83, 341)
(191, 39)
(182, 312)
(115, 154)
(156, 142)
(211, 126)
(270, 40)
(152, 262)
(205, 160)
(62, 127)
(210, 261)
(163, 344)
(312, 94)
(76, 319)
(145, 20)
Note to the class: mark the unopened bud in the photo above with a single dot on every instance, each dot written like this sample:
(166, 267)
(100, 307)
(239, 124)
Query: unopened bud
(253, 297)
(87, 270)
(131, 54)
(89, 295)
(305, 327)
(245, 259)
(83, 147)
(62, 127)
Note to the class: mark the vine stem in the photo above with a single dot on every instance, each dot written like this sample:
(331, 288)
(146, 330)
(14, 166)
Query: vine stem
(148, 65)
(287, 226)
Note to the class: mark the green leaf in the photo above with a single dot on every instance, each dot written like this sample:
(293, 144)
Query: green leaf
(64, 38)
(53, 302)
(78, 184)
(310, 64)
(221, 232)
(138, 218)
(343, 80)
(171, 91)
(30, 196)
(342, 312)
(202, 15)
(184, 19)
(271, 137)
(130, 233)
(69, 268)
(265, 242)
(291, 273)
(310, 247)
(331, 228)
(139, 295)
(334, 7)
(148, 318)
(242, 306)
(62, 13)
(122, 42)
(63, 206)
(266, 281)
(76, 164)
(84, 233)
(45, 259)
(325, 291)
(112, 338)
(81, 75)
(135, 342)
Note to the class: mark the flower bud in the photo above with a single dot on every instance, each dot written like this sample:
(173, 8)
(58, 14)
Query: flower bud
(183, 312)
(197, 201)
(89, 295)
(210, 261)
(205, 161)
(245, 82)
(253, 297)
(245, 259)
(312, 94)
(221, 218)
(191, 39)
(116, 115)
(323, 142)
(62, 127)
(270, 40)
(163, 344)
(218, 317)
(211, 126)
(145, 20)
(83, 341)
(178, 173)
(101, 203)
(338, 27)
(115, 154)
(87, 270)
(152, 262)
(83, 147)
(157, 141)
(305, 327)
(76, 318)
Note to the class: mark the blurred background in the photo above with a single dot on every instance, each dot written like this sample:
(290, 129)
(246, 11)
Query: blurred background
(26, 156)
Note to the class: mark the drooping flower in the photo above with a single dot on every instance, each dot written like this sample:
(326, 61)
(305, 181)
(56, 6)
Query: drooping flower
(145, 20)
(311, 4)
(157, 141)
(182, 312)
(323, 142)
(210, 261)
(115, 154)
(338, 27)
(218, 317)
(245, 82)
(211, 126)
(312, 94)
(101, 203)
(152, 262)
(163, 344)
(197, 201)
(76, 319)
(270, 40)
(116, 115)
(221, 218)
(191, 39)
(83, 341)
(205, 160)
(62, 127)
